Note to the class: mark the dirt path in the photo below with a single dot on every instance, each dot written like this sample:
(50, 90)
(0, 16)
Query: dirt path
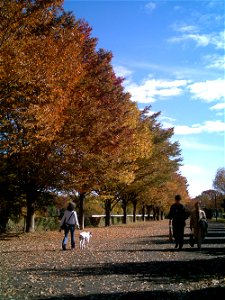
(124, 262)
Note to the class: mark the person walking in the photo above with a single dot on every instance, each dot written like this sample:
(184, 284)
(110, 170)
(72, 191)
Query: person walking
(68, 223)
(177, 217)
(198, 226)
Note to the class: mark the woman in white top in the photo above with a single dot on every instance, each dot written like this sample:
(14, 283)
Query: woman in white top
(198, 225)
(68, 223)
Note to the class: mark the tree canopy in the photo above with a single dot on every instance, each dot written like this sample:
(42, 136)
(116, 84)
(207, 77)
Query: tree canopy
(219, 181)
(66, 122)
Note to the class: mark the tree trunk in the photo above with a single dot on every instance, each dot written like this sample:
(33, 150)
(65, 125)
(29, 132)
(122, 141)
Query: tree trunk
(107, 212)
(81, 210)
(4, 218)
(162, 215)
(30, 218)
(157, 213)
(143, 212)
(148, 212)
(124, 211)
(134, 210)
(154, 213)
(216, 207)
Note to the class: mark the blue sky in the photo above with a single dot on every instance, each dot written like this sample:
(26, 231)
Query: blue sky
(172, 56)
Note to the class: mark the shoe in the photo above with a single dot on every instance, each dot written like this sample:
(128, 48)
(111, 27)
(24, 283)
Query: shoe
(64, 247)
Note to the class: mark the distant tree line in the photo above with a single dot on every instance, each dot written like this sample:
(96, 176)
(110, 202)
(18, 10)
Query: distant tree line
(67, 127)
(213, 201)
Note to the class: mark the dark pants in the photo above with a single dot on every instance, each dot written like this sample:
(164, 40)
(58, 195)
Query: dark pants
(178, 234)
(70, 229)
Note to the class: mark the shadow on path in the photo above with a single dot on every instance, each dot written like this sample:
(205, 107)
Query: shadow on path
(9, 236)
(202, 294)
(215, 236)
(159, 272)
(205, 250)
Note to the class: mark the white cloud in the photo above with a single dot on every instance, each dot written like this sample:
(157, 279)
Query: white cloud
(167, 122)
(150, 89)
(184, 129)
(163, 118)
(122, 71)
(177, 71)
(192, 144)
(150, 6)
(220, 114)
(200, 39)
(191, 33)
(186, 28)
(209, 90)
(218, 40)
(218, 106)
(149, 113)
(215, 61)
(214, 126)
(208, 127)
(183, 27)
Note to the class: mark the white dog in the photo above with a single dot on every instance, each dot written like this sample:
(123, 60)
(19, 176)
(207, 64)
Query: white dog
(84, 238)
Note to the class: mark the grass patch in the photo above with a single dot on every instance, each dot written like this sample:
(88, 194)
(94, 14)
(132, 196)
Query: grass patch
(220, 220)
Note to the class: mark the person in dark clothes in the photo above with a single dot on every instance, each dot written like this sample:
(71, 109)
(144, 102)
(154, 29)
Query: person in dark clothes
(177, 217)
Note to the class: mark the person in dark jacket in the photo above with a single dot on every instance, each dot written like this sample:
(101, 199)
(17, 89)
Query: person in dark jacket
(177, 217)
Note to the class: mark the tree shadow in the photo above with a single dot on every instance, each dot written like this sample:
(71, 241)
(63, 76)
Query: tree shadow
(215, 235)
(9, 236)
(205, 250)
(207, 240)
(32, 250)
(201, 294)
(159, 272)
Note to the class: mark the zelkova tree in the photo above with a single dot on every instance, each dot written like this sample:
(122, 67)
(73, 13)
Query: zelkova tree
(154, 172)
(219, 181)
(115, 189)
(30, 98)
(161, 197)
(108, 126)
(66, 121)
(214, 199)
(42, 52)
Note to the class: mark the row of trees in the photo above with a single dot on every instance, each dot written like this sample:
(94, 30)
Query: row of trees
(213, 200)
(67, 125)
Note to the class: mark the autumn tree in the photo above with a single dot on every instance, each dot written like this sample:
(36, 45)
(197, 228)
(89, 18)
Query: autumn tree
(23, 82)
(154, 172)
(214, 199)
(66, 121)
(11, 200)
(41, 49)
(219, 181)
(177, 184)
(106, 124)
(138, 145)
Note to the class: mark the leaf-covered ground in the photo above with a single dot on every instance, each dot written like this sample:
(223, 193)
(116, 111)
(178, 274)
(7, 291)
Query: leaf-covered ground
(135, 261)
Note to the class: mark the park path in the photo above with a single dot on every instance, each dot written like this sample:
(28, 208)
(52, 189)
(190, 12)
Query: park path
(123, 262)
